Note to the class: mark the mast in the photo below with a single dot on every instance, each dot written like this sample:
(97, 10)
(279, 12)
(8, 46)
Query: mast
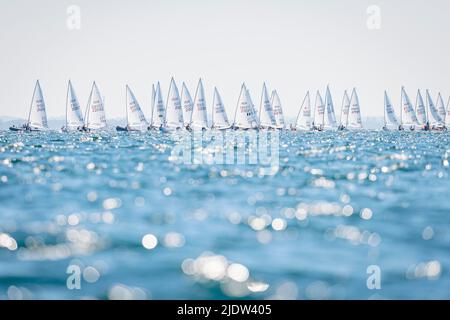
(31, 104)
(213, 108)
(237, 105)
(67, 100)
(261, 102)
(385, 104)
(401, 107)
(152, 103)
(87, 107)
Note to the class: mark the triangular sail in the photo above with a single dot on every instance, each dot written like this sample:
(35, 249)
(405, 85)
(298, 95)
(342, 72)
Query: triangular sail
(303, 121)
(199, 117)
(187, 104)
(447, 116)
(266, 117)
(219, 115)
(389, 112)
(174, 114)
(330, 119)
(38, 116)
(253, 109)
(135, 117)
(158, 108)
(244, 116)
(74, 118)
(354, 116)
(152, 103)
(345, 109)
(420, 109)
(440, 107)
(95, 114)
(319, 111)
(277, 110)
(434, 116)
(408, 116)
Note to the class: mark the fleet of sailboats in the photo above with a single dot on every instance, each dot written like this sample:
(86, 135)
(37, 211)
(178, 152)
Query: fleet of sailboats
(425, 116)
(183, 112)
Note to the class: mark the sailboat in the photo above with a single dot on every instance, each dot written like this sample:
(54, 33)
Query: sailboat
(74, 118)
(253, 109)
(266, 117)
(390, 120)
(219, 115)
(199, 118)
(135, 117)
(354, 116)
(303, 121)
(435, 120)
(421, 111)
(330, 119)
(345, 108)
(447, 116)
(174, 114)
(277, 110)
(407, 115)
(157, 121)
(37, 116)
(319, 113)
(244, 115)
(440, 107)
(187, 105)
(95, 112)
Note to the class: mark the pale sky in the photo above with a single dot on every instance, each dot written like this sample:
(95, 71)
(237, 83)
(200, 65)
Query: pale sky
(294, 46)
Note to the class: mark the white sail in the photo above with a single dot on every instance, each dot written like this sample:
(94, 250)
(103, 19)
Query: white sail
(389, 112)
(319, 111)
(244, 116)
(408, 116)
(158, 108)
(199, 117)
(186, 104)
(277, 110)
(135, 117)
(435, 118)
(330, 119)
(303, 121)
(74, 118)
(152, 103)
(420, 109)
(95, 113)
(266, 117)
(345, 110)
(354, 116)
(447, 116)
(253, 109)
(37, 118)
(174, 114)
(440, 107)
(219, 115)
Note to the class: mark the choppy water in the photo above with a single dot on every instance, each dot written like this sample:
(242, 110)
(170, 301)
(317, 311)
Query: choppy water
(139, 225)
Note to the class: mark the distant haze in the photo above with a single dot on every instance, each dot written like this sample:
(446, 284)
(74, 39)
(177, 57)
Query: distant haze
(294, 46)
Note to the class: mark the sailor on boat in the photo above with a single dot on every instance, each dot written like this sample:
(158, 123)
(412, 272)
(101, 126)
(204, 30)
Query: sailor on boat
(37, 116)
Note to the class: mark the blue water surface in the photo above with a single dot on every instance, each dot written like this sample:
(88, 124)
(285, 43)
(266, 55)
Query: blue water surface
(343, 215)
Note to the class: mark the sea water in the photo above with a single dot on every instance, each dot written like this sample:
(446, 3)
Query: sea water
(341, 215)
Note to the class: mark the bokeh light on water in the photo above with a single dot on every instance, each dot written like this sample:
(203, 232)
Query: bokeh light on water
(138, 224)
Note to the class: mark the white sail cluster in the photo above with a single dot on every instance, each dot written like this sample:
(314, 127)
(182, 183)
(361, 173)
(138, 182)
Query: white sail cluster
(180, 111)
(323, 117)
(425, 116)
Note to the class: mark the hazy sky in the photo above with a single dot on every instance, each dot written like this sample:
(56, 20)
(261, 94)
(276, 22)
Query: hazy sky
(294, 46)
